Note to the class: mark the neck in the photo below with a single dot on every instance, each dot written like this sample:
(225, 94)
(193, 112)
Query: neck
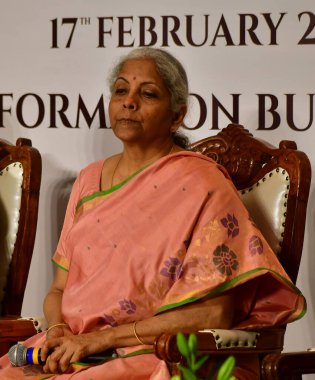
(136, 158)
(133, 159)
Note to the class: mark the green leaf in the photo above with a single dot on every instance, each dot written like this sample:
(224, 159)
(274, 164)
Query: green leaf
(213, 372)
(200, 363)
(175, 377)
(226, 368)
(188, 374)
(182, 345)
(192, 343)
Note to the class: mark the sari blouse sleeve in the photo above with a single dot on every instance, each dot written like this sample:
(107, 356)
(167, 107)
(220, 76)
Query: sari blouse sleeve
(87, 182)
(61, 257)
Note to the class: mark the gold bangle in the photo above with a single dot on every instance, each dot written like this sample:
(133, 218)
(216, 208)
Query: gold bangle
(136, 335)
(56, 325)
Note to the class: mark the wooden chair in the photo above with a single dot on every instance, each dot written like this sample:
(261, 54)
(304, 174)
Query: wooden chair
(274, 185)
(20, 178)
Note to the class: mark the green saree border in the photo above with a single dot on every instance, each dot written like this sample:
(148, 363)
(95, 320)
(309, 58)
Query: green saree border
(228, 285)
(137, 353)
(108, 191)
(59, 266)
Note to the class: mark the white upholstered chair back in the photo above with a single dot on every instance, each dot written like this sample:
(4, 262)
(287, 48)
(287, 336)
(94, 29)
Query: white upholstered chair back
(11, 179)
(20, 178)
(266, 202)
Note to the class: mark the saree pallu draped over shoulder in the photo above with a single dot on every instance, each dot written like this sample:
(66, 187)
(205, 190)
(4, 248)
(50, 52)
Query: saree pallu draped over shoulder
(173, 234)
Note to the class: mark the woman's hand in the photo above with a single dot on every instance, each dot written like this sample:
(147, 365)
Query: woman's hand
(70, 348)
(55, 332)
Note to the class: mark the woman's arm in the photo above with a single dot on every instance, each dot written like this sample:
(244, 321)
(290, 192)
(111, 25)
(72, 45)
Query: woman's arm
(216, 312)
(52, 302)
(212, 313)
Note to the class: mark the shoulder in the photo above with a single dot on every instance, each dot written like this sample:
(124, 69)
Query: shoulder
(91, 170)
(88, 180)
(189, 162)
(206, 174)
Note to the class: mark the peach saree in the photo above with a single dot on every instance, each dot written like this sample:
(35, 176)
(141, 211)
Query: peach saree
(172, 234)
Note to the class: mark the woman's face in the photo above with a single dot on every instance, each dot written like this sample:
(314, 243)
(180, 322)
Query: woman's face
(140, 105)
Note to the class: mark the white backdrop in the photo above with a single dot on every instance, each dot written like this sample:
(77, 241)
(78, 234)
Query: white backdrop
(253, 58)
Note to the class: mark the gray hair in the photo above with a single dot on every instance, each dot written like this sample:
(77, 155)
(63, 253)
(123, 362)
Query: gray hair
(170, 69)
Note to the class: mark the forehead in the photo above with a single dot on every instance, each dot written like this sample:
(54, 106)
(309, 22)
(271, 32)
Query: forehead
(141, 69)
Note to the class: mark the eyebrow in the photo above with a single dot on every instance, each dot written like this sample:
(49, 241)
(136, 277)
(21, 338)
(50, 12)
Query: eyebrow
(122, 78)
(142, 83)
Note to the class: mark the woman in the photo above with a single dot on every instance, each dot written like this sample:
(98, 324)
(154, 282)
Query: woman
(144, 248)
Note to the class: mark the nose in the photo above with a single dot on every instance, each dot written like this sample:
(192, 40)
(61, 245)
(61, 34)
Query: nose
(130, 102)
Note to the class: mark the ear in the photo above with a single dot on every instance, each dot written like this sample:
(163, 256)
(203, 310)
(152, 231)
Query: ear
(178, 118)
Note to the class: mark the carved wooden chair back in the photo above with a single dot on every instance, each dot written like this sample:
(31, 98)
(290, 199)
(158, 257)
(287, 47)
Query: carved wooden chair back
(20, 177)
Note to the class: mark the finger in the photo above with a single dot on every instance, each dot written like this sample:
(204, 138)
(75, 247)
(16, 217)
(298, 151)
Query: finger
(65, 360)
(48, 346)
(44, 352)
(50, 366)
(52, 362)
(75, 358)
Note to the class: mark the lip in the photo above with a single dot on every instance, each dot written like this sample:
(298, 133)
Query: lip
(125, 120)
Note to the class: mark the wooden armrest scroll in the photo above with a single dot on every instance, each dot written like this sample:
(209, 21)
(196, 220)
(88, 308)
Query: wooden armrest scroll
(12, 327)
(13, 330)
(279, 365)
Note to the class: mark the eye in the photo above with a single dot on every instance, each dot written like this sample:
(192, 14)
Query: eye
(120, 91)
(149, 94)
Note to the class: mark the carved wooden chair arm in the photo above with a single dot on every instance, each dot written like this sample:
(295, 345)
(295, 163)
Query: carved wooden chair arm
(287, 366)
(218, 341)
